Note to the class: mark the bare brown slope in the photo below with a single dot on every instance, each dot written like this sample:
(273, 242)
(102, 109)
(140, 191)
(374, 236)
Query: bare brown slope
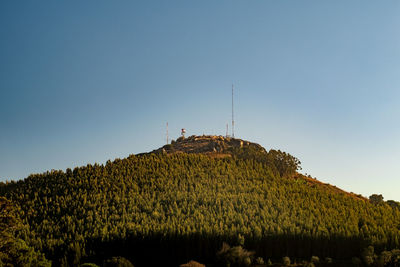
(314, 182)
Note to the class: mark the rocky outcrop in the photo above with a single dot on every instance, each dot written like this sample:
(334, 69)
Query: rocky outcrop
(207, 144)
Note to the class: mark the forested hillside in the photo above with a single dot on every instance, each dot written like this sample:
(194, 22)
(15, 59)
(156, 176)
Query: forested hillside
(169, 208)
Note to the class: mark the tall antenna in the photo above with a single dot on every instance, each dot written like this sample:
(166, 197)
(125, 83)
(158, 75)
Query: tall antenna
(167, 133)
(233, 121)
(227, 130)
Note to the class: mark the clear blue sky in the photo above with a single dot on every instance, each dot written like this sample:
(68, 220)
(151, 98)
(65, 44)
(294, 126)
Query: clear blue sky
(87, 81)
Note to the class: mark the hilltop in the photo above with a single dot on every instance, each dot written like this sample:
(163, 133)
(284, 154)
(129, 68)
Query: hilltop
(209, 144)
(184, 200)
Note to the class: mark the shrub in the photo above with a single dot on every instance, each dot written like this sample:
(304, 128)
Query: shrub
(368, 255)
(286, 261)
(118, 262)
(314, 259)
(384, 258)
(192, 264)
(247, 261)
(235, 256)
(240, 240)
(168, 146)
(260, 260)
(328, 260)
(395, 256)
(376, 199)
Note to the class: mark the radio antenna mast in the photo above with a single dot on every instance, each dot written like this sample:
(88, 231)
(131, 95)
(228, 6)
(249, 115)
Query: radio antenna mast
(233, 121)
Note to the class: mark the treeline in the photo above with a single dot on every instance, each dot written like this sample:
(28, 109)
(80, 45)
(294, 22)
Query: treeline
(169, 209)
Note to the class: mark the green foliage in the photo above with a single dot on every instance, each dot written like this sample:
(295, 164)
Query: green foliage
(89, 265)
(118, 262)
(250, 199)
(393, 204)
(328, 260)
(368, 255)
(281, 163)
(234, 256)
(376, 199)
(286, 261)
(168, 146)
(260, 261)
(395, 259)
(240, 240)
(247, 261)
(192, 264)
(384, 258)
(314, 259)
(14, 251)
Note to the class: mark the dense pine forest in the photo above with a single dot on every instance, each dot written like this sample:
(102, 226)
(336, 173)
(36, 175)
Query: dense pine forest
(167, 208)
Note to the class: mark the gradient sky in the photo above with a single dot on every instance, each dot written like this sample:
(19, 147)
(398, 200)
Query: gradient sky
(87, 81)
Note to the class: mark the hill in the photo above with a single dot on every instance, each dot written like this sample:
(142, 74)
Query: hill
(183, 201)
